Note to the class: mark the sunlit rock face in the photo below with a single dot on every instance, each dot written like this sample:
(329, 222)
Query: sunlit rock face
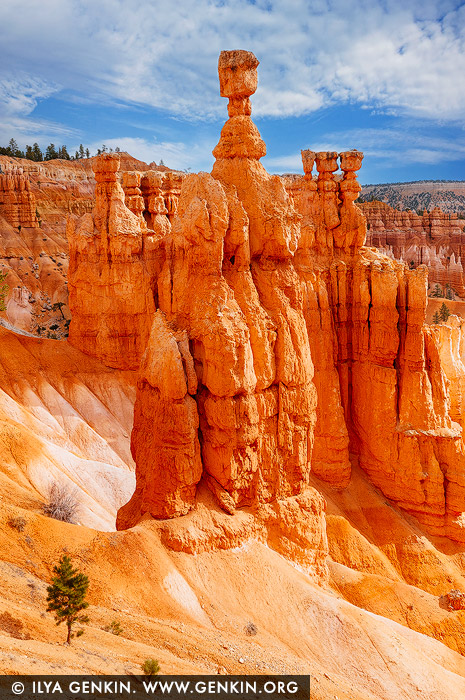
(116, 254)
(271, 343)
(110, 296)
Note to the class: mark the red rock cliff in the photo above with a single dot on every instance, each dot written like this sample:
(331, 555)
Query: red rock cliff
(17, 203)
(35, 264)
(116, 255)
(435, 239)
(282, 345)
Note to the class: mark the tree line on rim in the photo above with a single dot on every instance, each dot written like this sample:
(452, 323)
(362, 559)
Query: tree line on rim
(36, 154)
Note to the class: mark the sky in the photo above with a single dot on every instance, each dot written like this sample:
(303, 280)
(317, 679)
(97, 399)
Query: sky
(384, 76)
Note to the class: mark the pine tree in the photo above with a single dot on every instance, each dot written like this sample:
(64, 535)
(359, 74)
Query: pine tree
(81, 151)
(50, 153)
(444, 312)
(63, 153)
(66, 595)
(38, 155)
(12, 146)
(3, 291)
(436, 317)
(87, 153)
(437, 292)
(449, 292)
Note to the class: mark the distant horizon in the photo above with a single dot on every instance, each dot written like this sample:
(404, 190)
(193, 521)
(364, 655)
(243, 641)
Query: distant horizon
(385, 77)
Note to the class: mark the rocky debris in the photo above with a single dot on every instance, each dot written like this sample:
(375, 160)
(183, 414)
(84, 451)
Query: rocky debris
(454, 600)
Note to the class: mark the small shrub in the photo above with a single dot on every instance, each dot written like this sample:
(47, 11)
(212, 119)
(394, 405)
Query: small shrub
(61, 504)
(17, 522)
(251, 629)
(150, 667)
(114, 627)
(3, 290)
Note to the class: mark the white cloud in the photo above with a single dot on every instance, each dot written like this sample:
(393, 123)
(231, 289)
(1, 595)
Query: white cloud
(406, 56)
(19, 96)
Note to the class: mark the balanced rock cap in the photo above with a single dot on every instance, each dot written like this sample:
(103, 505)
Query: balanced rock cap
(238, 73)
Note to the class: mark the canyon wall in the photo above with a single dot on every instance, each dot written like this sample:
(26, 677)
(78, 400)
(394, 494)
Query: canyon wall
(17, 203)
(33, 256)
(110, 298)
(36, 202)
(435, 239)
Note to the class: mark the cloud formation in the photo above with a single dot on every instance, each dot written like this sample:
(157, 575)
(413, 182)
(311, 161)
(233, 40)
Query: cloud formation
(19, 95)
(406, 57)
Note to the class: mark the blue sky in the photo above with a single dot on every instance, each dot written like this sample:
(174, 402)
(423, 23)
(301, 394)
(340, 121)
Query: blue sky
(384, 76)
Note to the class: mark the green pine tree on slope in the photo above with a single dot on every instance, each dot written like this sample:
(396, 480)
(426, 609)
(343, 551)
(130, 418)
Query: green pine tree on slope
(66, 596)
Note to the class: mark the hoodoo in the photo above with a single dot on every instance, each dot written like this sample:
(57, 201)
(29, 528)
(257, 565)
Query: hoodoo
(230, 288)
(280, 346)
(114, 261)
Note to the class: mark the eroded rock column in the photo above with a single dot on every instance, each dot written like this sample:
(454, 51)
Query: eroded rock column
(110, 295)
(229, 282)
